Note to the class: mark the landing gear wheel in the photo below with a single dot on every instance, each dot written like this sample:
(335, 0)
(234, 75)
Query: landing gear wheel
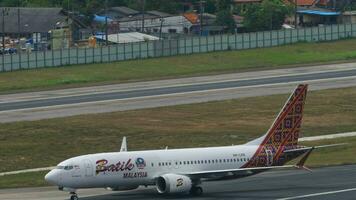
(196, 191)
(74, 196)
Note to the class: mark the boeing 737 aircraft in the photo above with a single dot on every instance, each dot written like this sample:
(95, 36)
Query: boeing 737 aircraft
(183, 170)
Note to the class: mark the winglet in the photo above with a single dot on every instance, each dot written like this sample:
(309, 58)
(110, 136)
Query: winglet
(123, 145)
(300, 164)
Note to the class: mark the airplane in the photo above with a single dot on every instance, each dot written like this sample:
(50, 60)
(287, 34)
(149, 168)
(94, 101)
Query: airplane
(174, 171)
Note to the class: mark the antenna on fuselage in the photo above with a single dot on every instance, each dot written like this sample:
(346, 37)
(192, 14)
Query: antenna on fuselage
(123, 145)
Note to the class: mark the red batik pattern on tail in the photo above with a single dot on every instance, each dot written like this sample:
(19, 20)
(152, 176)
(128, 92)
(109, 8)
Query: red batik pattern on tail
(284, 132)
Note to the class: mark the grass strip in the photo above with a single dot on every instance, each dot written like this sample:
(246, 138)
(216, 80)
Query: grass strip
(178, 66)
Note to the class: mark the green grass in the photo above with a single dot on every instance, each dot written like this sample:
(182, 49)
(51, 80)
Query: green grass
(34, 179)
(179, 66)
(44, 143)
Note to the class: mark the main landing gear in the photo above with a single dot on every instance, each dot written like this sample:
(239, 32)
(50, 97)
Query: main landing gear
(74, 196)
(196, 191)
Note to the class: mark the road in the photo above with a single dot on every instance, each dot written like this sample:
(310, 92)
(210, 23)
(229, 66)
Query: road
(329, 183)
(61, 103)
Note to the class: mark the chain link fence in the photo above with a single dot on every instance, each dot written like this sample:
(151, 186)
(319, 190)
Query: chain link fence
(181, 46)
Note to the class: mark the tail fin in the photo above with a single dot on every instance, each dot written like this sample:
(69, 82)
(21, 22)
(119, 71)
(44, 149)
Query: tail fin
(284, 132)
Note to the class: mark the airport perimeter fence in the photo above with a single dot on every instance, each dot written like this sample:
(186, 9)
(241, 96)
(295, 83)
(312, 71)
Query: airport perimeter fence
(182, 46)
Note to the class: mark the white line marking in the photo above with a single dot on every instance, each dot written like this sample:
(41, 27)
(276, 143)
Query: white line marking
(178, 85)
(174, 94)
(318, 194)
(27, 171)
(326, 137)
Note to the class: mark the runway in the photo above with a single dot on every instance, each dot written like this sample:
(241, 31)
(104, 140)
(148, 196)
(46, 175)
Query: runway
(331, 183)
(119, 97)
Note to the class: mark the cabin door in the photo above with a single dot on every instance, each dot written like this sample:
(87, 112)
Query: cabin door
(88, 168)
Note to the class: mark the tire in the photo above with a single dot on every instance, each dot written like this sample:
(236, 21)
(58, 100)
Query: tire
(196, 191)
(74, 197)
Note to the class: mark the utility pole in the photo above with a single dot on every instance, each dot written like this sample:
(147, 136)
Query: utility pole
(106, 23)
(295, 14)
(143, 2)
(160, 30)
(4, 13)
(201, 17)
(18, 20)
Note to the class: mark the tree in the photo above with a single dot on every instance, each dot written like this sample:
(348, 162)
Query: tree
(268, 15)
(224, 15)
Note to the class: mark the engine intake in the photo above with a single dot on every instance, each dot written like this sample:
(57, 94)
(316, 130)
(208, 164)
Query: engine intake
(173, 183)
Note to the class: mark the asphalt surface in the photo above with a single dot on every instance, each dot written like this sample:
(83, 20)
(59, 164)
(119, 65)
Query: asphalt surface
(174, 90)
(129, 96)
(331, 183)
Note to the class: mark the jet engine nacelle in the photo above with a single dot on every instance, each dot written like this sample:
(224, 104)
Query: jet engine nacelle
(123, 188)
(173, 183)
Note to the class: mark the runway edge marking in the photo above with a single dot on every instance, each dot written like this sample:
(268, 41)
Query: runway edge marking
(318, 194)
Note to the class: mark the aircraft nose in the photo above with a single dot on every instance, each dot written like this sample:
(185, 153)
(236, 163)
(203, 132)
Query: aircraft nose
(52, 177)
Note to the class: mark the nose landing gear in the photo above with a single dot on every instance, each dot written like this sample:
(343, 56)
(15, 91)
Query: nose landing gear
(74, 196)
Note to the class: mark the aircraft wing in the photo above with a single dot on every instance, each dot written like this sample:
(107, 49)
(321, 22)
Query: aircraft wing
(239, 171)
(249, 171)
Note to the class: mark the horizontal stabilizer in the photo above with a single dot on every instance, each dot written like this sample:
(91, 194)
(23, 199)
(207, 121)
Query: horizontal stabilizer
(316, 147)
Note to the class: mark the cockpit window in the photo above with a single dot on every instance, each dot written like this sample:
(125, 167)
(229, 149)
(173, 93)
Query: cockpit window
(68, 167)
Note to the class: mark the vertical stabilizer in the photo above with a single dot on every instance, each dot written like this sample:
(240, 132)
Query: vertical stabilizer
(285, 130)
(123, 145)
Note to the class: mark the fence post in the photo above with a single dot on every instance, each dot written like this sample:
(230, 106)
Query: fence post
(147, 51)
(338, 31)
(77, 54)
(318, 33)
(101, 54)
(28, 60)
(277, 37)
(214, 42)
(124, 51)
(352, 31)
(36, 60)
(332, 32)
(93, 54)
(263, 39)
(249, 40)
(284, 37)
(85, 55)
(11, 61)
(3, 63)
(69, 56)
(140, 49)
(207, 43)
(270, 38)
(192, 45)
(325, 33)
(199, 44)
(61, 56)
(52, 58)
(44, 59)
(132, 50)
(109, 52)
(117, 51)
(185, 45)
(221, 42)
(20, 61)
(291, 36)
(170, 47)
(236, 41)
(256, 39)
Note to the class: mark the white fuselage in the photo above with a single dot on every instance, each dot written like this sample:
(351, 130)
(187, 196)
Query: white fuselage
(129, 169)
